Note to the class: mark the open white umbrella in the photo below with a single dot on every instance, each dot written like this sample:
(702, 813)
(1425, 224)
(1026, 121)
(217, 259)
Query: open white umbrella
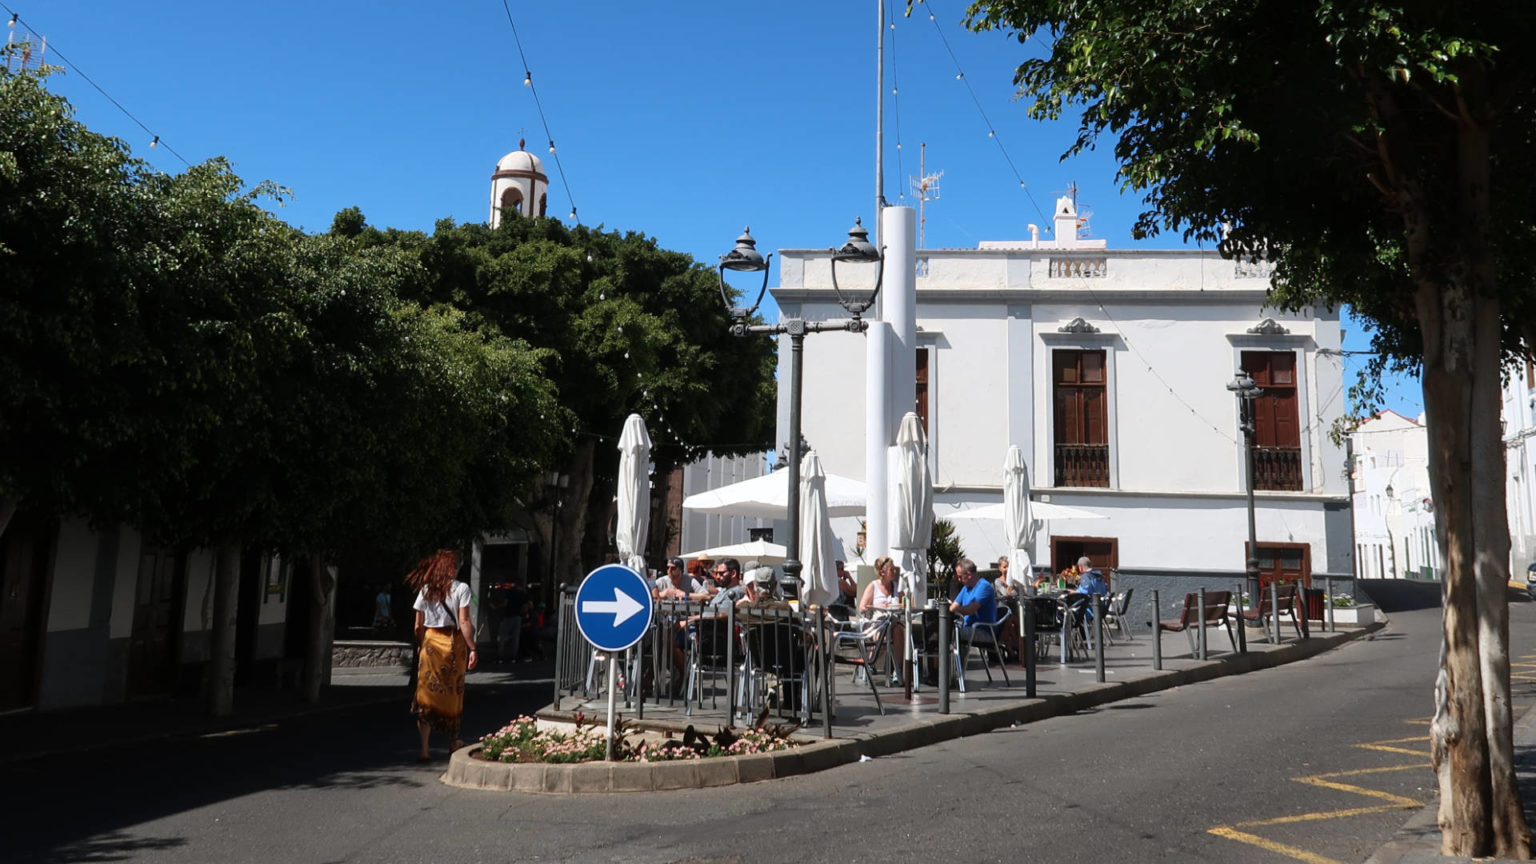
(1018, 523)
(767, 497)
(759, 550)
(913, 514)
(818, 547)
(629, 531)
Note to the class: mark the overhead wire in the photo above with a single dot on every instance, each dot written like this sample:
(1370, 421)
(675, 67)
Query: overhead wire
(538, 104)
(155, 141)
(987, 121)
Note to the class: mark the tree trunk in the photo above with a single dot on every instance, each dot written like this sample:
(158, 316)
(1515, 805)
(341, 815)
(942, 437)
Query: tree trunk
(1471, 735)
(321, 629)
(220, 683)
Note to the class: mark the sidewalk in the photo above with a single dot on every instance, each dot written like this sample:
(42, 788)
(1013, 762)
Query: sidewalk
(32, 735)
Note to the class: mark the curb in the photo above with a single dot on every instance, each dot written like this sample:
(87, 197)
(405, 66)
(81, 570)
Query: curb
(466, 772)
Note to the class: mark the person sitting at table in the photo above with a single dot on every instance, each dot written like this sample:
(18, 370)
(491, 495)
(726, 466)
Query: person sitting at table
(883, 592)
(847, 587)
(760, 589)
(676, 584)
(727, 575)
(1090, 582)
(976, 604)
(1005, 586)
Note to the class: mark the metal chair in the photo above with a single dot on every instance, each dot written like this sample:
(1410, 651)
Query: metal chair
(990, 646)
(876, 634)
(708, 651)
(777, 660)
(1115, 612)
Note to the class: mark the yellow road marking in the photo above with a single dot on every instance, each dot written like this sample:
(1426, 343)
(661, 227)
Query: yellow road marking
(1329, 781)
(1272, 846)
(1319, 817)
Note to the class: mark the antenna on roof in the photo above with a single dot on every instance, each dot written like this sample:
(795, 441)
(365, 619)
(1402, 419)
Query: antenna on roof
(25, 50)
(926, 188)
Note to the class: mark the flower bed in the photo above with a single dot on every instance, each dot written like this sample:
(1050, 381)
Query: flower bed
(526, 740)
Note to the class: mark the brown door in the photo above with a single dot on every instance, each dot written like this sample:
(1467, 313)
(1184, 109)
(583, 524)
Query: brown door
(152, 647)
(1104, 552)
(1284, 562)
(25, 553)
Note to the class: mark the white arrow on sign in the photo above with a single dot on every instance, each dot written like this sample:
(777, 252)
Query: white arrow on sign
(622, 607)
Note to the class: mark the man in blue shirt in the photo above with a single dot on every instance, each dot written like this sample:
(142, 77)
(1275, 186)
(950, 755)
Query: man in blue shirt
(1090, 582)
(977, 601)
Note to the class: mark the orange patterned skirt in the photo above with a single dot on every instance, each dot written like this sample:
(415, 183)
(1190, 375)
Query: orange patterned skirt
(440, 681)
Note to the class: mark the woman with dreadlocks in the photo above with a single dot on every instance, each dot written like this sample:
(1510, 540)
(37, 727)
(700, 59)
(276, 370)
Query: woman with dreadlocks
(445, 647)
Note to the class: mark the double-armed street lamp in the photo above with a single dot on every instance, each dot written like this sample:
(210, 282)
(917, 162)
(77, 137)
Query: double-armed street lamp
(1247, 390)
(746, 259)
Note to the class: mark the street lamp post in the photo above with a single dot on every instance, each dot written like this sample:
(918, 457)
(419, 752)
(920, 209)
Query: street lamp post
(746, 259)
(1246, 390)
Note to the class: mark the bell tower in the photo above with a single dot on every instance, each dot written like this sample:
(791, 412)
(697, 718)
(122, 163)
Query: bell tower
(518, 186)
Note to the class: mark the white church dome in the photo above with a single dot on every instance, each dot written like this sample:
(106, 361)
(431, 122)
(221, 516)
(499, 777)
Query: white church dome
(520, 160)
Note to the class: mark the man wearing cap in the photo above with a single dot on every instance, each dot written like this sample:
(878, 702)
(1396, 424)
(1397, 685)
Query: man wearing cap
(761, 589)
(676, 584)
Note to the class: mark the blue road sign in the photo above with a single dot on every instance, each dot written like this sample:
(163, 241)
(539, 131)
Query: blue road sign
(613, 607)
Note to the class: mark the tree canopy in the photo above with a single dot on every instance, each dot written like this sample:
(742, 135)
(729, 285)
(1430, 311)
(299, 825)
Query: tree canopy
(1377, 154)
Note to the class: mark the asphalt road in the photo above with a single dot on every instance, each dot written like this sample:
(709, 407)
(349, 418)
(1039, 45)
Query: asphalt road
(1321, 760)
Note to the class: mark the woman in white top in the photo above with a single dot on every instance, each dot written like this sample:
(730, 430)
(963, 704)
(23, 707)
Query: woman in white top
(883, 597)
(445, 643)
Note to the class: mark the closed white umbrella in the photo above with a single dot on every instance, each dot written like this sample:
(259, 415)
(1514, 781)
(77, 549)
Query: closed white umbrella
(914, 513)
(629, 532)
(1018, 522)
(767, 497)
(818, 546)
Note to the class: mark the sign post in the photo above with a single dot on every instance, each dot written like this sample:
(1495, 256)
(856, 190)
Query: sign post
(613, 612)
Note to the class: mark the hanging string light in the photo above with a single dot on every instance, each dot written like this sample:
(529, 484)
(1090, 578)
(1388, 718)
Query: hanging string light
(53, 48)
(538, 104)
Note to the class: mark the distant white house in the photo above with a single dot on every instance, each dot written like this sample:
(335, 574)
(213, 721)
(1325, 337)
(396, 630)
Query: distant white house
(1519, 419)
(1394, 515)
(1109, 368)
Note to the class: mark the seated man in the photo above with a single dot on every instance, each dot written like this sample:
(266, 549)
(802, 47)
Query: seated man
(976, 602)
(678, 585)
(1090, 582)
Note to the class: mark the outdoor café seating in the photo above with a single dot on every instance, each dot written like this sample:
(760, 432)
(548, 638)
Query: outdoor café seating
(1282, 603)
(1216, 606)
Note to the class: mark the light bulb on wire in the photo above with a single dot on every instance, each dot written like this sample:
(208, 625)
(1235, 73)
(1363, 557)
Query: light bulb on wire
(155, 142)
(527, 79)
(15, 16)
(551, 145)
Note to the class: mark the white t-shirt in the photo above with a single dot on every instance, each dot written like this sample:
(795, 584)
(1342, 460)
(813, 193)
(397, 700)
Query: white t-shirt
(690, 584)
(444, 614)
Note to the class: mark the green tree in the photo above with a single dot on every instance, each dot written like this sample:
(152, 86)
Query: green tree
(626, 327)
(1378, 154)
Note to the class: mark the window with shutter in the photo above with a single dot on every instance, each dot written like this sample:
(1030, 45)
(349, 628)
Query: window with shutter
(1277, 423)
(1081, 418)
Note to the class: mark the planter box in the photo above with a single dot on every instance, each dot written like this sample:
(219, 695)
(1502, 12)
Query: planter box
(1358, 616)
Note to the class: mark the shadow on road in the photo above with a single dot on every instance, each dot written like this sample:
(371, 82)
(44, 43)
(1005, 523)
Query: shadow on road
(1400, 595)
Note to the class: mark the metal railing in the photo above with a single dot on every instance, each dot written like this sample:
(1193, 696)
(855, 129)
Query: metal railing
(1082, 464)
(1277, 468)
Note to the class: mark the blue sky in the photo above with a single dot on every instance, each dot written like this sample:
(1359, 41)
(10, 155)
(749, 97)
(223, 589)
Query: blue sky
(682, 120)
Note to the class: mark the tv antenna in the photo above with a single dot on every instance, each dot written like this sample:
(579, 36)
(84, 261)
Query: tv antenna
(25, 52)
(1082, 215)
(926, 188)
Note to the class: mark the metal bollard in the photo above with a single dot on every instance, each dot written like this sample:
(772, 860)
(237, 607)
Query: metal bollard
(1301, 605)
(823, 641)
(730, 664)
(908, 664)
(1027, 646)
(1274, 611)
(1328, 601)
(1098, 636)
(1157, 634)
(943, 659)
(1201, 619)
(1242, 625)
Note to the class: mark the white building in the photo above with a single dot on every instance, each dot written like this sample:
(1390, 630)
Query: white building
(1109, 369)
(1519, 418)
(1394, 516)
